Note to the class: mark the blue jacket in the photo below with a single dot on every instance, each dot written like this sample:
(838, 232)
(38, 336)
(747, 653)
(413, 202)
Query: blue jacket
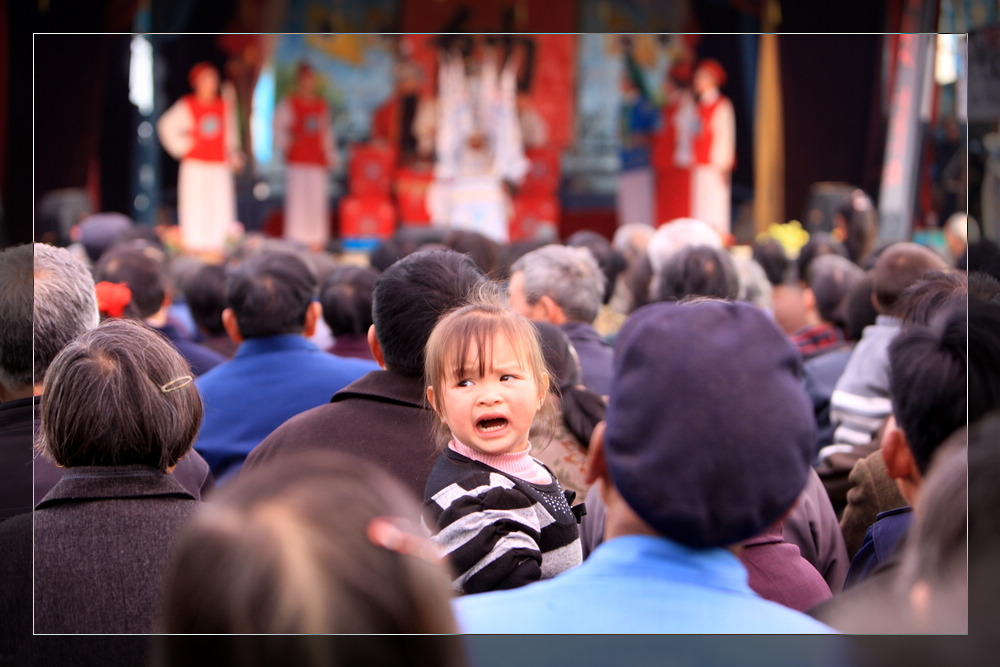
(269, 381)
(880, 547)
(637, 584)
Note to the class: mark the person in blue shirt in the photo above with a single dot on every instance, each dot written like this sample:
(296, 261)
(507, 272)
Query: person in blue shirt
(693, 459)
(277, 372)
(638, 118)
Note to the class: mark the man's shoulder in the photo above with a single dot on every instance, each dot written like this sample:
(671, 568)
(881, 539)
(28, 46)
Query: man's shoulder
(358, 411)
(629, 602)
(296, 432)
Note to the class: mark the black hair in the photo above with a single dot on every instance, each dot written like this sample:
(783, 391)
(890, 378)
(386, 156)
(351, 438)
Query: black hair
(857, 309)
(983, 287)
(143, 268)
(927, 376)
(270, 293)
(484, 251)
(935, 290)
(346, 295)
(819, 244)
(772, 258)
(831, 278)
(205, 294)
(860, 225)
(699, 271)
(582, 408)
(611, 261)
(409, 298)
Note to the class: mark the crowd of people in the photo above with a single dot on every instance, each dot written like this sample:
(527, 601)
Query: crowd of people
(656, 433)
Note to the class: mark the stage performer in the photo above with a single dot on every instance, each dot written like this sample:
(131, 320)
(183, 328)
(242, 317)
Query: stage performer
(480, 152)
(638, 117)
(200, 130)
(303, 133)
(672, 147)
(407, 121)
(714, 148)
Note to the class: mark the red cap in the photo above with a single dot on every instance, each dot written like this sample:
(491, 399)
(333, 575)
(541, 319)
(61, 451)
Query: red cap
(713, 68)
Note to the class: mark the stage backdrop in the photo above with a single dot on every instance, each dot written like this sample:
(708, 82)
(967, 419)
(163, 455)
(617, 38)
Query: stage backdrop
(552, 70)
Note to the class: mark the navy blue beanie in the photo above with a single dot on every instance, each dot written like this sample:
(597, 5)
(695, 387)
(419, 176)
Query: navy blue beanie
(709, 429)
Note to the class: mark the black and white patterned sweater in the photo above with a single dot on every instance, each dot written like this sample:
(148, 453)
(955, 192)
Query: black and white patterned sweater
(496, 530)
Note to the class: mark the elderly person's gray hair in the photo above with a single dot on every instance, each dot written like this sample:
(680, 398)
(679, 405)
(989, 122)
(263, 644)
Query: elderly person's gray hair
(632, 237)
(569, 276)
(62, 306)
(755, 288)
(680, 233)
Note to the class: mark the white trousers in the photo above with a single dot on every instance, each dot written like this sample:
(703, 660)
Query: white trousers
(307, 218)
(635, 196)
(206, 205)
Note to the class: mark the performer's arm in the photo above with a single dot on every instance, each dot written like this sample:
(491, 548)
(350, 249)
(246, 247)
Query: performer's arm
(175, 128)
(232, 138)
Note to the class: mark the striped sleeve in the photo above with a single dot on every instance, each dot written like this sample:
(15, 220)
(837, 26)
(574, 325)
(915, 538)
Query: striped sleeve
(490, 533)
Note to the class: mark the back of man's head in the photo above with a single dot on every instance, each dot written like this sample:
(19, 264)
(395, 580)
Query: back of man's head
(64, 307)
(927, 382)
(411, 295)
(830, 277)
(709, 430)
(205, 294)
(269, 293)
(346, 295)
(898, 267)
(569, 276)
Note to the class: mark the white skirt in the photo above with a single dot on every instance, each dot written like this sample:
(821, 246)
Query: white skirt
(206, 205)
(307, 218)
(710, 195)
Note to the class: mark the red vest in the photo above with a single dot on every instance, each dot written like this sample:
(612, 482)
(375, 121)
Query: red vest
(307, 131)
(209, 129)
(665, 141)
(702, 144)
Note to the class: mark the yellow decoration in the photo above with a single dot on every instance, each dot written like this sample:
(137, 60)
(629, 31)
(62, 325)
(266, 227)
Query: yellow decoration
(349, 48)
(790, 235)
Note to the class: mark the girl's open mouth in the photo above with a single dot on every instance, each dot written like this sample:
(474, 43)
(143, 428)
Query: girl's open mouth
(491, 424)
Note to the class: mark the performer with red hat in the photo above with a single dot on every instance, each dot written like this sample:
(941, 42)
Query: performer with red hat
(714, 148)
(302, 132)
(200, 131)
(672, 147)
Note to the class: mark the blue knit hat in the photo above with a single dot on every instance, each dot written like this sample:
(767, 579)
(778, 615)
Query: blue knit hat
(709, 430)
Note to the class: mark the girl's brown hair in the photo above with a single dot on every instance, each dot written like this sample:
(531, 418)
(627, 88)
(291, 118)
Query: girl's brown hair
(474, 326)
(287, 550)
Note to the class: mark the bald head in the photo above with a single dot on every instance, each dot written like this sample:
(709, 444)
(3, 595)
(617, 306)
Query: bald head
(898, 267)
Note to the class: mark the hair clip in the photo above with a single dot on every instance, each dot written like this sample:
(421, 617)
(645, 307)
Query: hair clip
(176, 383)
